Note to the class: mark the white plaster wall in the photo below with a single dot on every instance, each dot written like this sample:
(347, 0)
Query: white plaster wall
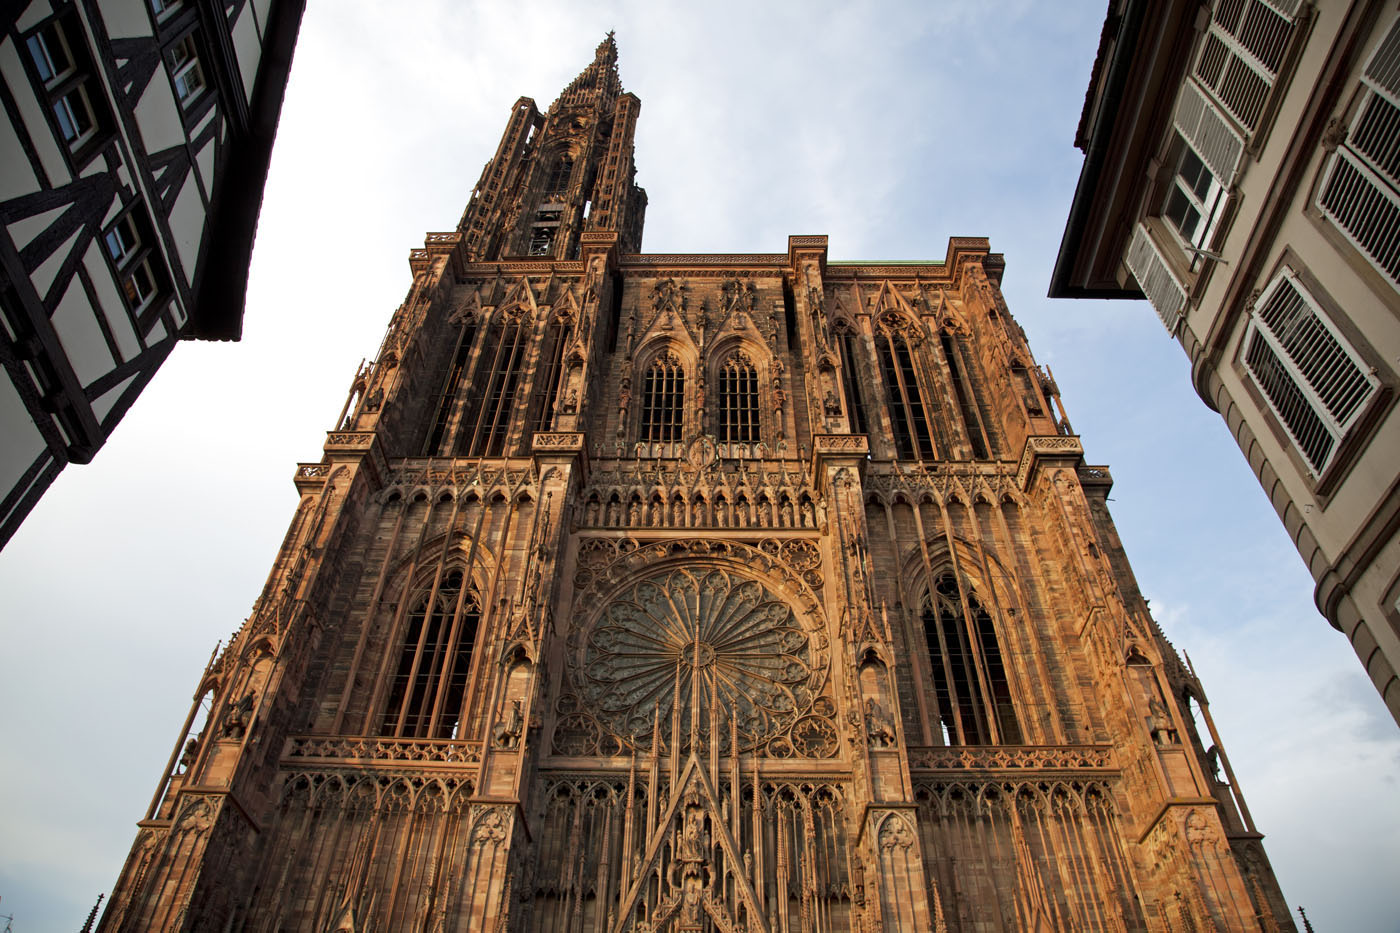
(16, 177)
(23, 442)
(32, 114)
(125, 19)
(80, 335)
(158, 115)
(102, 405)
(187, 224)
(24, 230)
(247, 46)
(43, 277)
(32, 14)
(204, 162)
(110, 300)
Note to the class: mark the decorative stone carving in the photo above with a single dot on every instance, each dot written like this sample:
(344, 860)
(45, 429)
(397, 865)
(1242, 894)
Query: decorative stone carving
(684, 645)
(506, 731)
(364, 751)
(878, 727)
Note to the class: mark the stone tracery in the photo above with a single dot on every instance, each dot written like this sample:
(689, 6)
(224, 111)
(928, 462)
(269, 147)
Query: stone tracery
(685, 648)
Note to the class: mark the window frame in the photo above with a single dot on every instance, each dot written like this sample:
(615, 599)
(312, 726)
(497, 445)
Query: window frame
(71, 94)
(162, 10)
(38, 42)
(907, 406)
(1236, 49)
(179, 68)
(739, 414)
(414, 703)
(140, 255)
(1368, 177)
(967, 666)
(661, 420)
(1209, 207)
(1347, 435)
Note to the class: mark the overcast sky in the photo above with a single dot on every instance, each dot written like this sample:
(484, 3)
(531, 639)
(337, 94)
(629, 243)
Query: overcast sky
(888, 127)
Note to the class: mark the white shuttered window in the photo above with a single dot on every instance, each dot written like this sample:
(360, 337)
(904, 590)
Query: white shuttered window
(1241, 55)
(1314, 382)
(1205, 129)
(1360, 188)
(1155, 278)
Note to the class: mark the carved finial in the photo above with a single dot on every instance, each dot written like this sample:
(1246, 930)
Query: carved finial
(1334, 135)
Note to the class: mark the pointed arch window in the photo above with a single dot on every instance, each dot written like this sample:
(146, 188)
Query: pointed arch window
(846, 344)
(559, 174)
(738, 400)
(904, 398)
(451, 384)
(548, 374)
(498, 373)
(663, 400)
(965, 388)
(969, 678)
(429, 683)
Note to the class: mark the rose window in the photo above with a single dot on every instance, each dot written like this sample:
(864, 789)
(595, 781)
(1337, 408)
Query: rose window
(684, 649)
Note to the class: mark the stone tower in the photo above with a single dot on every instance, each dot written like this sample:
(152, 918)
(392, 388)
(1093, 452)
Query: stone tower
(694, 593)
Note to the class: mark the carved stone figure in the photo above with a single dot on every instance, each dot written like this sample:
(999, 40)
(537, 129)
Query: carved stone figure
(506, 732)
(1159, 723)
(239, 716)
(188, 755)
(877, 725)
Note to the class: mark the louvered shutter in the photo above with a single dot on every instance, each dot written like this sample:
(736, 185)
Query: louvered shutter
(1207, 131)
(1360, 188)
(1241, 56)
(1314, 382)
(1286, 8)
(1155, 278)
(1383, 70)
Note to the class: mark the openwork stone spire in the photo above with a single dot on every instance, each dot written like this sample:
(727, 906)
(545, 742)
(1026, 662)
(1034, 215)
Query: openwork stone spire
(598, 83)
(560, 173)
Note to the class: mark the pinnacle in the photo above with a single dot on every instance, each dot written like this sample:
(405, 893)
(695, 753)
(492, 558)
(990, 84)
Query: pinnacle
(599, 78)
(607, 49)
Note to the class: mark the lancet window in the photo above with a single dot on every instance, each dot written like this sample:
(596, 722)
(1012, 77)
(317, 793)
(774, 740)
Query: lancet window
(445, 401)
(663, 400)
(547, 375)
(904, 398)
(498, 374)
(738, 401)
(429, 682)
(846, 343)
(969, 678)
(960, 371)
(559, 176)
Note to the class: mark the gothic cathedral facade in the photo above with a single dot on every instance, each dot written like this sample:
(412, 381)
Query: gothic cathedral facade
(694, 593)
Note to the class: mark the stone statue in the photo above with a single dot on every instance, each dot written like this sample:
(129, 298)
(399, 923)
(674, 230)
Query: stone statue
(877, 725)
(1159, 723)
(239, 716)
(507, 731)
(187, 757)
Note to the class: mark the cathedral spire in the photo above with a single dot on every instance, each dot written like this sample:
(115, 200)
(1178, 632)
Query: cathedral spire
(599, 82)
(560, 173)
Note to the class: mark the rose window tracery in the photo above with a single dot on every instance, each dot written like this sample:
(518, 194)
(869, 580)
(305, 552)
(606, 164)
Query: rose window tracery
(685, 648)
